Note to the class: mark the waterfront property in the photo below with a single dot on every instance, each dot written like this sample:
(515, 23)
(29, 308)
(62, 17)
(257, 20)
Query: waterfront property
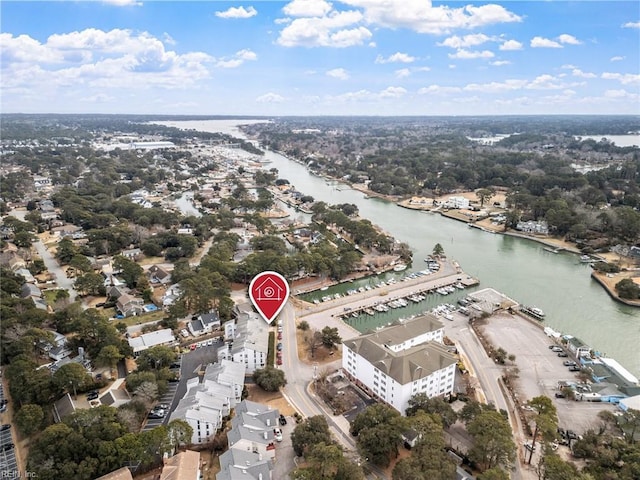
(400, 361)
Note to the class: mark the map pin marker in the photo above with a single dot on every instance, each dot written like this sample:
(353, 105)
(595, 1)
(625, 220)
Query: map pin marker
(269, 291)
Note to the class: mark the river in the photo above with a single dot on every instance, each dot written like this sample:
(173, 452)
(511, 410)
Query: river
(557, 283)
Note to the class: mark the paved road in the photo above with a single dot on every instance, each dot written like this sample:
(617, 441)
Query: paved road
(50, 262)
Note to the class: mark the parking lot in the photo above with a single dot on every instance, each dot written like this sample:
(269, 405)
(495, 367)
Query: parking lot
(540, 369)
(8, 462)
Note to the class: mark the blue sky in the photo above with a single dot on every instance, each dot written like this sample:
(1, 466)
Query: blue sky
(314, 57)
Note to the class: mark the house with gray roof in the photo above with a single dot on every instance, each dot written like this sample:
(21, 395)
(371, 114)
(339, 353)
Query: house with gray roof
(151, 339)
(250, 337)
(252, 428)
(237, 464)
(400, 361)
(204, 324)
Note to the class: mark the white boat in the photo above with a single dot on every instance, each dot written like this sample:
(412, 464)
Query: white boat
(586, 259)
(324, 288)
(400, 267)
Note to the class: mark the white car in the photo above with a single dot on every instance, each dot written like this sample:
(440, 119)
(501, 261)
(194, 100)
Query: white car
(278, 434)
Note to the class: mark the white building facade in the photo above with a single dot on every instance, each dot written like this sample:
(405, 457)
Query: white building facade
(400, 361)
(247, 341)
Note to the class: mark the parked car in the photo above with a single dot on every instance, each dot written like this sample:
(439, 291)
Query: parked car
(93, 395)
(557, 349)
(278, 434)
(529, 446)
(563, 354)
(279, 346)
(560, 395)
(574, 368)
(283, 420)
(569, 363)
(279, 361)
(279, 335)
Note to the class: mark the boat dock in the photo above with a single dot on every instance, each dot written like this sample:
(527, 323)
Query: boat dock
(385, 296)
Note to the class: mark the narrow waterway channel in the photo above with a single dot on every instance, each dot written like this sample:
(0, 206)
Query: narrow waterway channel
(557, 283)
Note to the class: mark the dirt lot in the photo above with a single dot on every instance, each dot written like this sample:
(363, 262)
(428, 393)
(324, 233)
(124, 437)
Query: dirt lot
(540, 369)
(321, 356)
(273, 399)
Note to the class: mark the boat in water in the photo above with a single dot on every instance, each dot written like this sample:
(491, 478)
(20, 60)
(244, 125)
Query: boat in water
(400, 267)
(535, 312)
(586, 259)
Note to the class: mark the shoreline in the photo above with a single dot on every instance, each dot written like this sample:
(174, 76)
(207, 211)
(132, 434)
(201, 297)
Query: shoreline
(612, 293)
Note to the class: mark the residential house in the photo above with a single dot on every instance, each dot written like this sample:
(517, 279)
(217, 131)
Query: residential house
(158, 274)
(183, 466)
(151, 339)
(399, 361)
(204, 324)
(457, 202)
(26, 274)
(226, 373)
(132, 253)
(248, 340)
(252, 429)
(236, 463)
(172, 294)
(67, 230)
(129, 305)
(122, 473)
(12, 260)
(533, 227)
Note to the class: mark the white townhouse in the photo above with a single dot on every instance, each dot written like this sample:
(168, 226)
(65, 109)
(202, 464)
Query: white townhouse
(247, 341)
(205, 404)
(252, 429)
(400, 361)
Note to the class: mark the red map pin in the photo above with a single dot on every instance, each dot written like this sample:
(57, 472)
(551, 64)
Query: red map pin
(269, 291)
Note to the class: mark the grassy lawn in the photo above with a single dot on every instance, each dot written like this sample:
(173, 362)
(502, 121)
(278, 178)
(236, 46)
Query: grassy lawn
(144, 318)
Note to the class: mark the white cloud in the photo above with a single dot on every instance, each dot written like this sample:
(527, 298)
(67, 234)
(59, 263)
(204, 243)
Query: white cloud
(238, 59)
(624, 78)
(238, 12)
(469, 55)
(422, 17)
(168, 39)
(438, 90)
(500, 63)
(402, 73)
(422, 69)
(123, 3)
(397, 57)
(307, 8)
(511, 45)
(631, 25)
(569, 39)
(465, 41)
(282, 21)
(100, 59)
(393, 92)
(98, 98)
(576, 72)
(542, 82)
(617, 58)
(270, 98)
(540, 42)
(622, 94)
(339, 73)
(328, 31)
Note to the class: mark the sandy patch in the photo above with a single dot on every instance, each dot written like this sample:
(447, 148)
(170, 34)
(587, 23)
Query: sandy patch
(273, 399)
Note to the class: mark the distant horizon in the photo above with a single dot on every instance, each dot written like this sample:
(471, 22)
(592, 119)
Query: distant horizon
(339, 58)
(260, 117)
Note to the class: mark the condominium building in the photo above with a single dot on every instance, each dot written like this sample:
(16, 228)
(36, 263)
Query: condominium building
(400, 361)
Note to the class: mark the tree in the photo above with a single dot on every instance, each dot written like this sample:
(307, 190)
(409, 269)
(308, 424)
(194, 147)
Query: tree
(484, 194)
(429, 460)
(330, 337)
(313, 340)
(156, 357)
(546, 420)
(436, 405)
(303, 325)
(628, 289)
(438, 251)
(23, 239)
(109, 356)
(90, 284)
(147, 392)
(65, 251)
(29, 419)
(81, 263)
(130, 270)
(379, 430)
(496, 473)
(493, 441)
(71, 377)
(179, 432)
(311, 431)
(269, 378)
